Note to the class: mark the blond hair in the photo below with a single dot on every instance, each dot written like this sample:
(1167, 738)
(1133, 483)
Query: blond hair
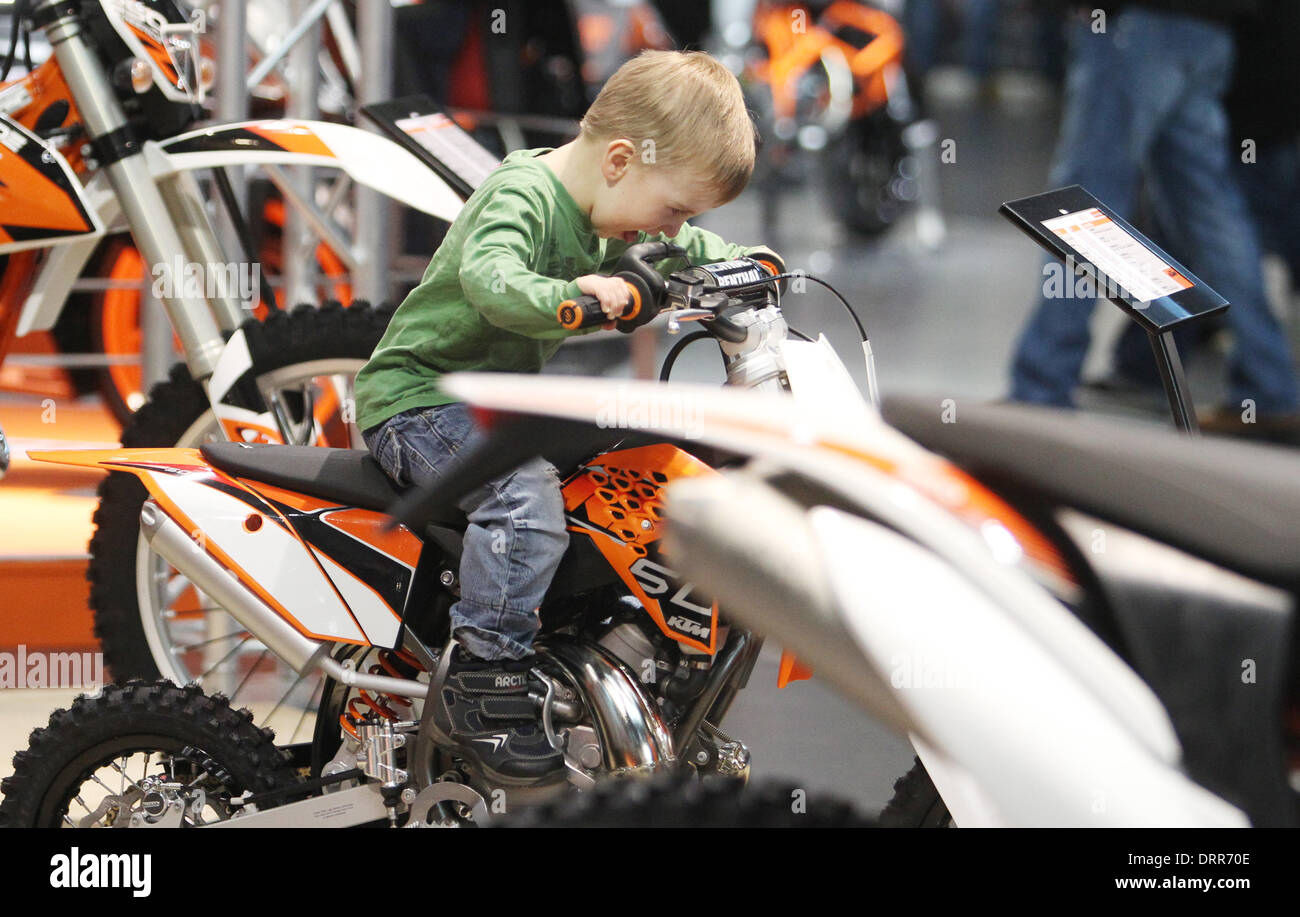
(679, 108)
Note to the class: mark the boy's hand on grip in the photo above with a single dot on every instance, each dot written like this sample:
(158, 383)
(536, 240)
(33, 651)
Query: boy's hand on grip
(612, 292)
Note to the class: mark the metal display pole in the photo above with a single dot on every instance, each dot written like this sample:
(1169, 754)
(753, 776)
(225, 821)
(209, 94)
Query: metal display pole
(304, 86)
(373, 242)
(1171, 376)
(232, 102)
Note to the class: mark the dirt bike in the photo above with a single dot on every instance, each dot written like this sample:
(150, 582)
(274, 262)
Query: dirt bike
(938, 606)
(827, 79)
(101, 139)
(638, 667)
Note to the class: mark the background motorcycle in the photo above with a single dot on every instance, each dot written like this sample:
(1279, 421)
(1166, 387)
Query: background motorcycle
(827, 82)
(97, 143)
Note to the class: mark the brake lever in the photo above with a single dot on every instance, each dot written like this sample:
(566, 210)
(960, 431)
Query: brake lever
(677, 316)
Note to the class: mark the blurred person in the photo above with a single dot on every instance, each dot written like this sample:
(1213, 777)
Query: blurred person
(1265, 111)
(1144, 99)
(1264, 148)
(926, 26)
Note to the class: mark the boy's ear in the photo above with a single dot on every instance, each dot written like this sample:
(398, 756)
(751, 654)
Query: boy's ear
(617, 159)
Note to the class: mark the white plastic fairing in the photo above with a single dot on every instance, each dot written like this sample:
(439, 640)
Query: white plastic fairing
(967, 804)
(59, 270)
(818, 377)
(369, 159)
(270, 556)
(372, 613)
(1037, 741)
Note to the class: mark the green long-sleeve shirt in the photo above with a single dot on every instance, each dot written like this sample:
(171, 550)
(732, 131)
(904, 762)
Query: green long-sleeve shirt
(487, 300)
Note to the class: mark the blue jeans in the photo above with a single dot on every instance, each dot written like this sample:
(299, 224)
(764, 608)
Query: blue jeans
(1143, 100)
(516, 534)
(923, 24)
(1272, 187)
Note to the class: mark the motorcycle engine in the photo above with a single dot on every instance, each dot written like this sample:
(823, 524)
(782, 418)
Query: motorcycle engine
(673, 677)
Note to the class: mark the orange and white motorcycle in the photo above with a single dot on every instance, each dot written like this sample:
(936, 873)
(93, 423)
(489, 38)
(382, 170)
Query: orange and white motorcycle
(100, 139)
(293, 543)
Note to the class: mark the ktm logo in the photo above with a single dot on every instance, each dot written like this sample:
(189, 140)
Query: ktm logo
(657, 580)
(677, 622)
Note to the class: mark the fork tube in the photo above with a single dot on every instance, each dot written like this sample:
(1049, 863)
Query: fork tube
(132, 181)
(185, 204)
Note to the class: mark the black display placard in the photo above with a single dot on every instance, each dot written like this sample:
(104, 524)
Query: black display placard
(1113, 258)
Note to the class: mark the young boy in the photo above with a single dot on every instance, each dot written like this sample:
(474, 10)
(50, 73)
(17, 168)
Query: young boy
(667, 138)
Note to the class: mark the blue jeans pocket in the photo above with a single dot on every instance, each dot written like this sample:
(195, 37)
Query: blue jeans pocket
(414, 446)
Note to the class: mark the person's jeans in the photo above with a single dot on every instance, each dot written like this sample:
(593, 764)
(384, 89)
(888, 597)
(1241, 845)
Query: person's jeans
(1271, 185)
(516, 534)
(1143, 101)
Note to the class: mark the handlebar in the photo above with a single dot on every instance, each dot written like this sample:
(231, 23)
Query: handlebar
(697, 290)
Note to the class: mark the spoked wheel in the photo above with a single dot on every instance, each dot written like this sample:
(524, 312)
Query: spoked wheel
(115, 327)
(141, 755)
(151, 620)
(872, 176)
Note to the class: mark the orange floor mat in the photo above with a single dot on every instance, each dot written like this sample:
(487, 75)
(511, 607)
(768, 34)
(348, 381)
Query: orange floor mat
(45, 522)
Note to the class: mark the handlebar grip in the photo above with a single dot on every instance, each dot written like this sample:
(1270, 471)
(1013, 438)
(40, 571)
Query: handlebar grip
(585, 311)
(582, 312)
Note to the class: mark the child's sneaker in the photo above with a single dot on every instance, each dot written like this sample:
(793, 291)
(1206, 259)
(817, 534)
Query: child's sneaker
(486, 710)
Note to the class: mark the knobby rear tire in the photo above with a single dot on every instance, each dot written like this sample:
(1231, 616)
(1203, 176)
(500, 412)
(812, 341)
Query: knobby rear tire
(684, 801)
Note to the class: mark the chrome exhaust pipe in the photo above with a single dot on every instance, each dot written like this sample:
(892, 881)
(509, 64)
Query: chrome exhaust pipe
(302, 653)
(632, 734)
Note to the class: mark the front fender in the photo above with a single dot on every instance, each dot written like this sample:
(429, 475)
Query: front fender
(369, 159)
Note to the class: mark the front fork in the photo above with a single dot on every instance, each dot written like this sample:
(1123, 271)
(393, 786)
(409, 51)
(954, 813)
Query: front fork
(167, 217)
(697, 737)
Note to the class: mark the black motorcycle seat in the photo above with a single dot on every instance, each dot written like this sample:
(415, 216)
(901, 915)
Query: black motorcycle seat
(1234, 504)
(349, 477)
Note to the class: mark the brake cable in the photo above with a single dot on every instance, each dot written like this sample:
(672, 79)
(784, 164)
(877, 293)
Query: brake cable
(16, 25)
(694, 336)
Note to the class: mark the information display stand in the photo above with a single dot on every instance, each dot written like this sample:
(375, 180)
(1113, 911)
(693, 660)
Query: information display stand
(433, 137)
(1128, 269)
